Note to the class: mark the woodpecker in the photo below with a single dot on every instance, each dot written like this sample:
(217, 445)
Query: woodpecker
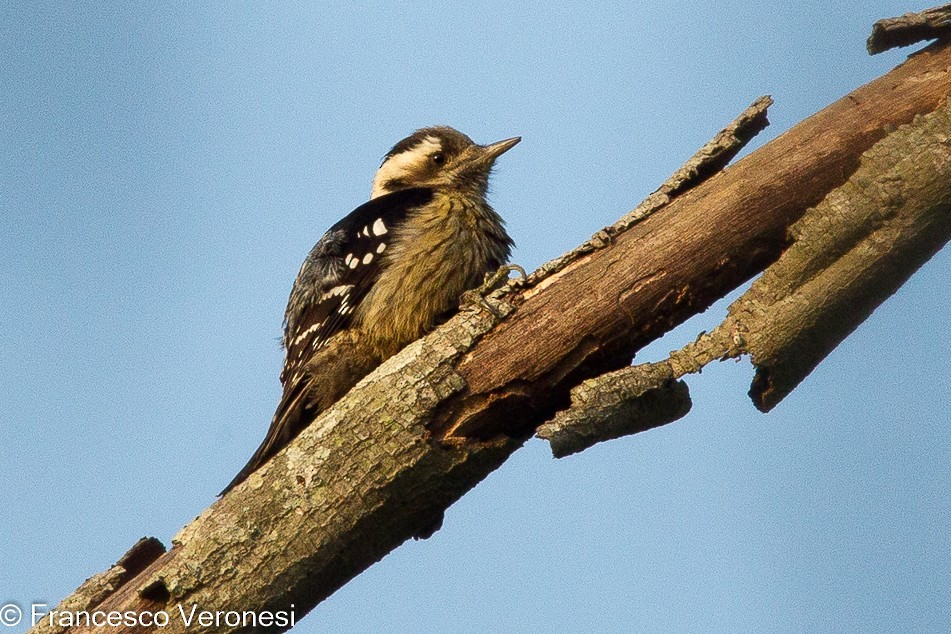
(390, 270)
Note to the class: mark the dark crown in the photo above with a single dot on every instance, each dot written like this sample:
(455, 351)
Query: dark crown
(452, 141)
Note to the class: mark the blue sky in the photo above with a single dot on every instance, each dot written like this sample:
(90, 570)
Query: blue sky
(165, 168)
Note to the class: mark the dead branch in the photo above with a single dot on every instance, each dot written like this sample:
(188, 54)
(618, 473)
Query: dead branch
(384, 462)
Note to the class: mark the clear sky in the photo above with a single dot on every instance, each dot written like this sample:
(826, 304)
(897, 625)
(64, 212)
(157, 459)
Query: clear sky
(165, 167)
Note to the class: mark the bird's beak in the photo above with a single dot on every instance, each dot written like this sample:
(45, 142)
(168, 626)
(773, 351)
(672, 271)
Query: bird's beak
(494, 150)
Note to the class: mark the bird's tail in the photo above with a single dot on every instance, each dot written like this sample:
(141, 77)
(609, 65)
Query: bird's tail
(289, 419)
(330, 374)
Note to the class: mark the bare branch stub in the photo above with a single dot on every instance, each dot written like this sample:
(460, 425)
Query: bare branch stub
(621, 403)
(103, 585)
(721, 149)
(910, 28)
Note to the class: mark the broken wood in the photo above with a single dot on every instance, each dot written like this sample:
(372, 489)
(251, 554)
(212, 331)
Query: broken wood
(910, 28)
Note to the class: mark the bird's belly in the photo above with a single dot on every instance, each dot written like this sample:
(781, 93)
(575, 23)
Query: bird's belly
(407, 300)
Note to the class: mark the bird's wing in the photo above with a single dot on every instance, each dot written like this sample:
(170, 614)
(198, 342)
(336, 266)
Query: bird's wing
(338, 273)
(334, 279)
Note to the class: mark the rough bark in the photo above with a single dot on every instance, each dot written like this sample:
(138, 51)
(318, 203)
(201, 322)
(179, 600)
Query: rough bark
(384, 462)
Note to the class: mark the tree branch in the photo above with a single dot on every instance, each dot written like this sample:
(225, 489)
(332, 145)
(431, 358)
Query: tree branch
(384, 462)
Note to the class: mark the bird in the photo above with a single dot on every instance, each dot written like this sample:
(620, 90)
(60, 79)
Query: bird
(387, 273)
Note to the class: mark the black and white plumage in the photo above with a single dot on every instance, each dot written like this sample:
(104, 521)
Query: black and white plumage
(391, 269)
(338, 273)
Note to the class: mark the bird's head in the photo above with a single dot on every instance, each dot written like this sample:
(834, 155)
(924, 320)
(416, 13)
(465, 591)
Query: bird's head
(438, 157)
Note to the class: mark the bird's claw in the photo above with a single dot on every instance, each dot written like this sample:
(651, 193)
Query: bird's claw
(477, 296)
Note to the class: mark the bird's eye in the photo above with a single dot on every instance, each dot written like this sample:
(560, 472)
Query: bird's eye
(438, 158)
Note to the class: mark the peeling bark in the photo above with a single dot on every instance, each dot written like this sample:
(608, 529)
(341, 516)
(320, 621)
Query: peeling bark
(852, 252)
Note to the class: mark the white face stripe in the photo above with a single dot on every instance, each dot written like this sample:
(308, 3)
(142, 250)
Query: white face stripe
(403, 163)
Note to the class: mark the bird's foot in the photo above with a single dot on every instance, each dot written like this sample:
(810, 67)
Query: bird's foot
(493, 281)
